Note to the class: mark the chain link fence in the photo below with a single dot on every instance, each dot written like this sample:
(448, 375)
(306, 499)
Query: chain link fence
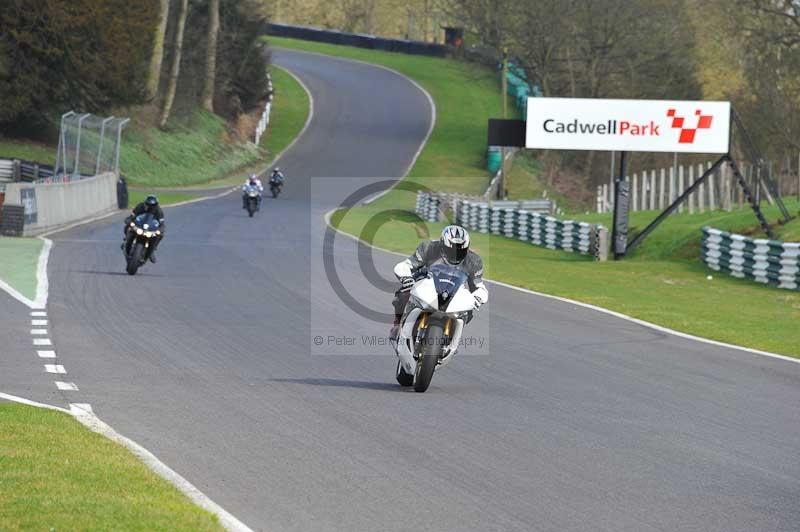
(88, 145)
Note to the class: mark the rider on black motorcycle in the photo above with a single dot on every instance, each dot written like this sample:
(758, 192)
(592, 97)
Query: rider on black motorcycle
(277, 176)
(148, 206)
(452, 248)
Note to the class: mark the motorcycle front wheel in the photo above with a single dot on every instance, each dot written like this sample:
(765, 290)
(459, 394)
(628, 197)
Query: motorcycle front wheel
(431, 351)
(135, 258)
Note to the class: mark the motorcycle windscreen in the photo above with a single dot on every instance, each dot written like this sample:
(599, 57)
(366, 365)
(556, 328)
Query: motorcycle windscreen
(447, 280)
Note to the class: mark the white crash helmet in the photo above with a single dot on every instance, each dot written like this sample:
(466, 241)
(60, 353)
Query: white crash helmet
(455, 244)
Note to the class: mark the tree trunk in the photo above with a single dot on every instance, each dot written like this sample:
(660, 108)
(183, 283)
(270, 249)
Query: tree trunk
(211, 55)
(154, 75)
(176, 65)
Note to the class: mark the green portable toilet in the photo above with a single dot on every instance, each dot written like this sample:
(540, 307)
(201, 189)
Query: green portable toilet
(494, 158)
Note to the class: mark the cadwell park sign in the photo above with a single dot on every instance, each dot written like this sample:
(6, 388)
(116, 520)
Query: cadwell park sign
(628, 125)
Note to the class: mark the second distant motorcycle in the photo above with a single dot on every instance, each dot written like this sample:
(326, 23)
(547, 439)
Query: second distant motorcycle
(276, 182)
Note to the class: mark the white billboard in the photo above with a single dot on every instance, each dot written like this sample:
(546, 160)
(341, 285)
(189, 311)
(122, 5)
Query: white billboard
(628, 125)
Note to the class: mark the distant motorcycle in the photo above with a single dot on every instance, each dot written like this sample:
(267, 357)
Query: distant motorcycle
(275, 186)
(138, 242)
(430, 333)
(253, 199)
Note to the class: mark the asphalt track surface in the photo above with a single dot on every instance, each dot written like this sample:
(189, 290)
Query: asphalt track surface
(574, 421)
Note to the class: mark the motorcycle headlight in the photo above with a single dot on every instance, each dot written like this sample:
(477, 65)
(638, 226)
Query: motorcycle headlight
(158, 232)
(133, 224)
(148, 234)
(139, 231)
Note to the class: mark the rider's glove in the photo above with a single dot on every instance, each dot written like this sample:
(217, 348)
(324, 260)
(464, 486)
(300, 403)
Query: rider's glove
(478, 303)
(406, 284)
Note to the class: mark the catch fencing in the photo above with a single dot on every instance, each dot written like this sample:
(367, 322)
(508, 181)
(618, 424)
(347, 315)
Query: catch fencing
(658, 188)
(519, 220)
(88, 145)
(765, 261)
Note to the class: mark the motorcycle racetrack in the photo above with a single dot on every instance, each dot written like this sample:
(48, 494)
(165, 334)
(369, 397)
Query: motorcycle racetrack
(574, 420)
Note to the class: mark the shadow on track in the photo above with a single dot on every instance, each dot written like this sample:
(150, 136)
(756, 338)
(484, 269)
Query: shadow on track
(124, 274)
(340, 383)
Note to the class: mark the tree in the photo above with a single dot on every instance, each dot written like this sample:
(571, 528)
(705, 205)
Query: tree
(81, 54)
(157, 56)
(176, 65)
(211, 55)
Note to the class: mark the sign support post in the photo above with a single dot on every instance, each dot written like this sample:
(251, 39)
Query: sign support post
(622, 190)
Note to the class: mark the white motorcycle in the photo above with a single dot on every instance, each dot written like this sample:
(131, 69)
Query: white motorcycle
(430, 333)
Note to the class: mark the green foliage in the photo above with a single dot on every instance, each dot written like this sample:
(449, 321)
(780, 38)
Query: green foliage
(241, 61)
(290, 109)
(82, 53)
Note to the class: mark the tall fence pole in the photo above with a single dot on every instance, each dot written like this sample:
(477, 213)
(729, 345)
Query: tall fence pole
(119, 141)
(76, 174)
(100, 146)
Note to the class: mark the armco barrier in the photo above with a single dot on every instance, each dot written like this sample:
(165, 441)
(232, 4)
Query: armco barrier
(360, 40)
(51, 205)
(506, 219)
(765, 261)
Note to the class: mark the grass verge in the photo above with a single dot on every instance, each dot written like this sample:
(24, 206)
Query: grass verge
(19, 258)
(57, 475)
(290, 108)
(165, 198)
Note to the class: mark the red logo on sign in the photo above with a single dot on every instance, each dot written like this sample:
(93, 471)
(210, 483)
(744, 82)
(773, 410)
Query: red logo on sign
(687, 133)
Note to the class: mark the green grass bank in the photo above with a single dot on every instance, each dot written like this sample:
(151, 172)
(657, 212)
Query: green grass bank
(57, 475)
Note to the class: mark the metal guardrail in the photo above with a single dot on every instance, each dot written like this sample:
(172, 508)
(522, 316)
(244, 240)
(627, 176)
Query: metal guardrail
(360, 40)
(507, 218)
(761, 260)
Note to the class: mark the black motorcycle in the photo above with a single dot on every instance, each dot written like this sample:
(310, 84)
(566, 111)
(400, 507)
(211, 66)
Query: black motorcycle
(140, 235)
(275, 186)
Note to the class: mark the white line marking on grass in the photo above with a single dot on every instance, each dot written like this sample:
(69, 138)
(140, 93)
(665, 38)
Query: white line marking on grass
(46, 354)
(39, 332)
(66, 386)
(42, 341)
(42, 282)
(602, 310)
(55, 368)
(38, 322)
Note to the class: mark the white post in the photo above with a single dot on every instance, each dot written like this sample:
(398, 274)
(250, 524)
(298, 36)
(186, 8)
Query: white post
(652, 190)
(599, 199)
(605, 198)
(712, 204)
(680, 187)
(634, 197)
(701, 196)
(662, 178)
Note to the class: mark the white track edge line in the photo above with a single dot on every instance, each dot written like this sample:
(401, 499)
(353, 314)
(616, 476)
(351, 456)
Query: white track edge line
(95, 424)
(659, 328)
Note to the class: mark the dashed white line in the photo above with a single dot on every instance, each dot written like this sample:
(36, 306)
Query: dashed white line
(42, 341)
(66, 386)
(38, 322)
(40, 332)
(46, 354)
(38, 313)
(55, 368)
